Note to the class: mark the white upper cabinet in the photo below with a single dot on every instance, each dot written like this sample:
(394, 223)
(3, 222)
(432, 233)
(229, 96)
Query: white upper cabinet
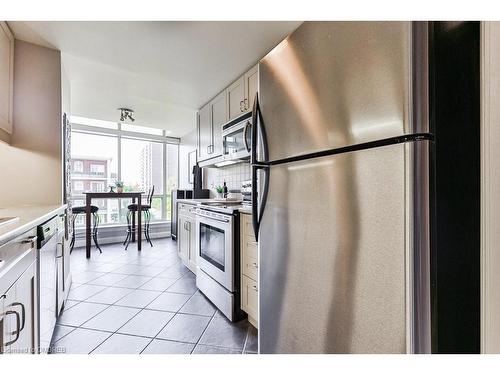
(6, 81)
(231, 103)
(204, 133)
(251, 83)
(241, 93)
(236, 98)
(219, 118)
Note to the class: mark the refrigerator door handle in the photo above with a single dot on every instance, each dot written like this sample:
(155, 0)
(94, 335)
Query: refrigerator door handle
(258, 124)
(258, 212)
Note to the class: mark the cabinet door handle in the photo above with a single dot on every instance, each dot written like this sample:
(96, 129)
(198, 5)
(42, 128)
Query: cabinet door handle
(208, 150)
(30, 240)
(254, 287)
(255, 265)
(18, 327)
(245, 104)
(23, 314)
(241, 106)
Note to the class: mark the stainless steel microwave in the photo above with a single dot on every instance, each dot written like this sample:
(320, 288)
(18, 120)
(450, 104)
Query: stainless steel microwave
(236, 138)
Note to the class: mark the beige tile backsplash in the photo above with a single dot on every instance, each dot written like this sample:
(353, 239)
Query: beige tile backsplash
(234, 175)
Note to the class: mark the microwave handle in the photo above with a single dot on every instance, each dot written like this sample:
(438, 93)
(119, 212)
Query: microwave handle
(245, 131)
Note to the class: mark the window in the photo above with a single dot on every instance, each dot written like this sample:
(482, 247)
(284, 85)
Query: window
(97, 186)
(141, 129)
(109, 155)
(142, 165)
(78, 185)
(93, 122)
(78, 166)
(172, 173)
(97, 169)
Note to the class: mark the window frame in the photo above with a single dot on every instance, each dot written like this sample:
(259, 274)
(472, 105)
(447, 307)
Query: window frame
(119, 133)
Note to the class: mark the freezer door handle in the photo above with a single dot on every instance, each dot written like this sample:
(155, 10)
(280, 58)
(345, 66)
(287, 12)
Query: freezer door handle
(258, 124)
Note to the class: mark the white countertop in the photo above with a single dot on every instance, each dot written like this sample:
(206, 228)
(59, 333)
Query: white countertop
(241, 208)
(245, 209)
(29, 217)
(194, 201)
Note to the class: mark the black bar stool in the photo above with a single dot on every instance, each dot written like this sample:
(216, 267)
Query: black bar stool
(132, 209)
(81, 210)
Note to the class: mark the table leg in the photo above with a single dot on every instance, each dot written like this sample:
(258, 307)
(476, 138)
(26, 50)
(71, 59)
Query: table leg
(139, 221)
(133, 222)
(87, 226)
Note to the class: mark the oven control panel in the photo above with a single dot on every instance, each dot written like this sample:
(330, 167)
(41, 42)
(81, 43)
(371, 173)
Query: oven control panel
(212, 215)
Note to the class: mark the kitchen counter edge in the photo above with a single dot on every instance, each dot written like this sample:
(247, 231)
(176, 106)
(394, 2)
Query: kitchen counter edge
(29, 217)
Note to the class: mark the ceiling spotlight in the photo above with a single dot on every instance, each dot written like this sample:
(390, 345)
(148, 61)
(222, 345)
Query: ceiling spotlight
(125, 114)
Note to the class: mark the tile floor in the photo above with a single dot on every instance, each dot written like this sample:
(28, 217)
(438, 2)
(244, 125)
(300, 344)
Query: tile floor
(130, 302)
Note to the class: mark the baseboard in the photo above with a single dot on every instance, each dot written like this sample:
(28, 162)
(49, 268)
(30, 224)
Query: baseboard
(118, 233)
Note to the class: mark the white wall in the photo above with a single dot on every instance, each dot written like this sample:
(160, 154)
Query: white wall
(188, 144)
(233, 175)
(30, 168)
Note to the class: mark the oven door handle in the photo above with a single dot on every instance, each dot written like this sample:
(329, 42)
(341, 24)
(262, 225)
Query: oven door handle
(213, 218)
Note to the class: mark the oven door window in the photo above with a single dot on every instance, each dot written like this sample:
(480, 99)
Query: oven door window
(212, 245)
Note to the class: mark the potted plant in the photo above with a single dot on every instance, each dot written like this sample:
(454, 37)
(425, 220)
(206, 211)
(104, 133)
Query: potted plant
(220, 191)
(119, 186)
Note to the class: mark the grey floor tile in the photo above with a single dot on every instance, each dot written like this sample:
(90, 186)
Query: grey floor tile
(185, 328)
(110, 295)
(205, 349)
(147, 323)
(80, 341)
(138, 298)
(128, 269)
(133, 281)
(221, 332)
(83, 292)
(111, 319)
(168, 347)
(158, 284)
(86, 276)
(174, 272)
(137, 327)
(252, 342)
(198, 305)
(143, 261)
(185, 285)
(168, 302)
(106, 267)
(69, 304)
(108, 279)
(79, 314)
(61, 331)
(122, 344)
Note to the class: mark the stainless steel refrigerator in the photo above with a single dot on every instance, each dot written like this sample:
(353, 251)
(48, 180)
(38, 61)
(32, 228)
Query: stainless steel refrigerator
(341, 155)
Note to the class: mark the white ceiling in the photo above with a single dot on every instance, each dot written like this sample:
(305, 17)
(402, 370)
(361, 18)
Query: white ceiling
(162, 70)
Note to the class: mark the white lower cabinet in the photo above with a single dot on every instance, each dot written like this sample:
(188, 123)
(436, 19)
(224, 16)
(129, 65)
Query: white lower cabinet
(19, 300)
(249, 270)
(186, 238)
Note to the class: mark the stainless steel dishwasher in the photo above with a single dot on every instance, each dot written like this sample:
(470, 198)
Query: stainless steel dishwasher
(47, 244)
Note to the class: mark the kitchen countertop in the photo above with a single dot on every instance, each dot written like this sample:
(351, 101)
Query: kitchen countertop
(194, 201)
(245, 209)
(29, 217)
(241, 208)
